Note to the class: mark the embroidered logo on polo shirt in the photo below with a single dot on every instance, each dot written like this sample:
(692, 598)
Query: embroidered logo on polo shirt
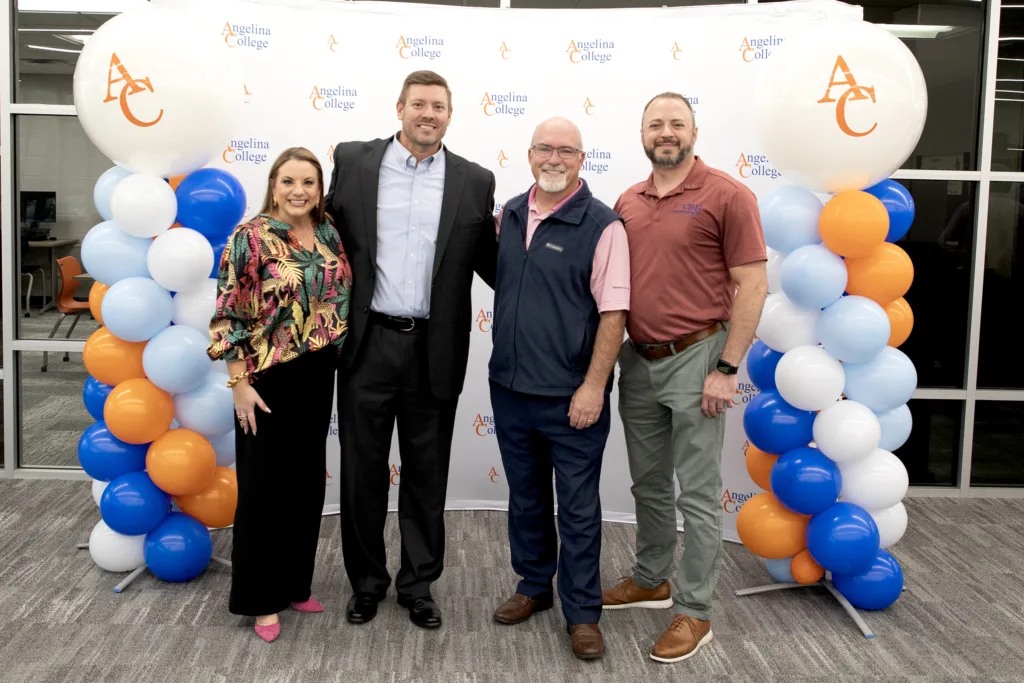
(689, 209)
(555, 247)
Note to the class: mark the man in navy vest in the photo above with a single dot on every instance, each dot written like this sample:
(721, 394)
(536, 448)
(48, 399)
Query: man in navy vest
(560, 303)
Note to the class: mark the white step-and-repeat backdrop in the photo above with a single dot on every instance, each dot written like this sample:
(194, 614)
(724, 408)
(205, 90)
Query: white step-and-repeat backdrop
(315, 73)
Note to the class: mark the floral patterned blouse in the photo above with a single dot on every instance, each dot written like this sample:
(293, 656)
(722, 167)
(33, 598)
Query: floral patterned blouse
(275, 298)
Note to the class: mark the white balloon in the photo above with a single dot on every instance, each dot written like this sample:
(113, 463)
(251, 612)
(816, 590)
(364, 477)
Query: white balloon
(785, 326)
(144, 101)
(144, 205)
(180, 259)
(842, 105)
(847, 431)
(774, 268)
(116, 552)
(196, 307)
(876, 482)
(98, 487)
(891, 523)
(808, 378)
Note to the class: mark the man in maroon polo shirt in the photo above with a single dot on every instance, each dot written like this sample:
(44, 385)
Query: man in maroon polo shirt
(694, 237)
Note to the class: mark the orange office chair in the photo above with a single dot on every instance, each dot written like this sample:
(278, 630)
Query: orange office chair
(66, 302)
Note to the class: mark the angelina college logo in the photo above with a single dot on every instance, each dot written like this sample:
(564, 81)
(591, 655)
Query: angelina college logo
(483, 320)
(755, 166)
(252, 36)
(504, 104)
(732, 502)
(597, 161)
(595, 51)
(853, 93)
(132, 86)
(753, 49)
(424, 47)
(338, 98)
(483, 425)
(246, 151)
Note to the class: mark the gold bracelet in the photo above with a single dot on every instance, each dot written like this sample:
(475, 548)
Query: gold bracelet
(237, 378)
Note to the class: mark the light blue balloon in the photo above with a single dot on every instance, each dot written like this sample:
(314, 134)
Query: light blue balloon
(224, 447)
(789, 217)
(135, 309)
(175, 359)
(209, 408)
(104, 190)
(109, 254)
(813, 277)
(896, 426)
(884, 383)
(779, 570)
(854, 329)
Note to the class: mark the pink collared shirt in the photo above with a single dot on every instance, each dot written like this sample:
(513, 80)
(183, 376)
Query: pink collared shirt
(609, 278)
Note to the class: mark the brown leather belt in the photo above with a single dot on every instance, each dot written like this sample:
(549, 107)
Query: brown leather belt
(656, 351)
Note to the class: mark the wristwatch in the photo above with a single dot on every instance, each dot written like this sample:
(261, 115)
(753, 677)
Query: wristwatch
(726, 368)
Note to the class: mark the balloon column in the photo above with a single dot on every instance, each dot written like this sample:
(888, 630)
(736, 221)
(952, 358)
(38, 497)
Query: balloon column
(162, 445)
(844, 107)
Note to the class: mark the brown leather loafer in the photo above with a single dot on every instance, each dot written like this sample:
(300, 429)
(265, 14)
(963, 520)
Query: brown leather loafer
(519, 608)
(587, 641)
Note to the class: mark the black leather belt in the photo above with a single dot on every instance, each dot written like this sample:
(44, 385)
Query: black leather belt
(402, 323)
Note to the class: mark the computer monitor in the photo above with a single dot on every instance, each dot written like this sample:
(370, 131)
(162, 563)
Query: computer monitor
(38, 207)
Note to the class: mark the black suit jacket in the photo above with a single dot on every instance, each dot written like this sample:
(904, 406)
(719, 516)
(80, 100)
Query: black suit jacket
(466, 243)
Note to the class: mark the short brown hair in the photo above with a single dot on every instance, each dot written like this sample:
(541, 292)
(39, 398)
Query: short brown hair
(319, 212)
(670, 96)
(424, 78)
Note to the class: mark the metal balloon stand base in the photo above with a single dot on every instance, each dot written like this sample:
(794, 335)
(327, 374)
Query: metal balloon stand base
(136, 573)
(824, 583)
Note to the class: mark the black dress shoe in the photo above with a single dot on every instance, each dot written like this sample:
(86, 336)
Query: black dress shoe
(422, 611)
(362, 607)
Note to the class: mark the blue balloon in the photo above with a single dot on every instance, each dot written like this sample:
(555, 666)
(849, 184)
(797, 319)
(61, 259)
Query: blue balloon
(877, 587)
(211, 202)
(94, 395)
(224, 447)
(133, 505)
(813, 276)
(109, 254)
(104, 190)
(789, 218)
(806, 481)
(209, 408)
(896, 426)
(761, 362)
(175, 359)
(883, 383)
(854, 329)
(843, 538)
(136, 308)
(218, 253)
(898, 203)
(179, 549)
(774, 426)
(105, 457)
(779, 570)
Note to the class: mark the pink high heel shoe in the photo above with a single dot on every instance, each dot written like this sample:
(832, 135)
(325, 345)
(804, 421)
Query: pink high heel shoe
(270, 632)
(309, 606)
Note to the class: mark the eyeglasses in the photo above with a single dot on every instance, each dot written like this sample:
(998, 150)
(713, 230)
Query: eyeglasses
(564, 152)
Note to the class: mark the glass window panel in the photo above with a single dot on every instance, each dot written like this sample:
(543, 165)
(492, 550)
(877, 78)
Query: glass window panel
(1003, 287)
(52, 413)
(56, 170)
(932, 452)
(941, 245)
(1008, 123)
(997, 458)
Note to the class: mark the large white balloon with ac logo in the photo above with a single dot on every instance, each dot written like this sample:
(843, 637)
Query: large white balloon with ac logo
(152, 94)
(841, 106)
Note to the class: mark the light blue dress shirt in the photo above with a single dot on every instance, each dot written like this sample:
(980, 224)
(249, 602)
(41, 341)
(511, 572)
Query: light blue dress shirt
(408, 214)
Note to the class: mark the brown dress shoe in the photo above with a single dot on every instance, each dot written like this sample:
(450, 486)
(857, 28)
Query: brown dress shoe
(626, 593)
(681, 639)
(519, 608)
(587, 641)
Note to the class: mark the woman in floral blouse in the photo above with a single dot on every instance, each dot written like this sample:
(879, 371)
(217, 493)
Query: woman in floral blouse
(282, 308)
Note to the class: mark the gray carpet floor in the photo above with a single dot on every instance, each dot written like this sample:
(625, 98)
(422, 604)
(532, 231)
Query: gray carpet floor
(961, 618)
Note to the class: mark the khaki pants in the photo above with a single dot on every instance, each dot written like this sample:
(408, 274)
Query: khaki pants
(666, 435)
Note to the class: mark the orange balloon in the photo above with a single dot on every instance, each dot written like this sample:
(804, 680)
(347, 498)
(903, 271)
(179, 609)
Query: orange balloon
(882, 276)
(175, 180)
(804, 569)
(96, 294)
(759, 466)
(137, 411)
(770, 530)
(853, 223)
(181, 462)
(901, 321)
(215, 505)
(112, 360)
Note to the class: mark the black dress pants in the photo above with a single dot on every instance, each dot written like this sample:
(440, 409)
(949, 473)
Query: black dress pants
(281, 472)
(389, 383)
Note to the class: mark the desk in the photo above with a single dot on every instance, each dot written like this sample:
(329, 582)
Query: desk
(52, 246)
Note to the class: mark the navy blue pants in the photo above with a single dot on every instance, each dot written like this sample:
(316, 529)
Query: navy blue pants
(534, 436)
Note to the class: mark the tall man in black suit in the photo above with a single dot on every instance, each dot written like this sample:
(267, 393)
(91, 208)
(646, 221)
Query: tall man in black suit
(416, 222)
